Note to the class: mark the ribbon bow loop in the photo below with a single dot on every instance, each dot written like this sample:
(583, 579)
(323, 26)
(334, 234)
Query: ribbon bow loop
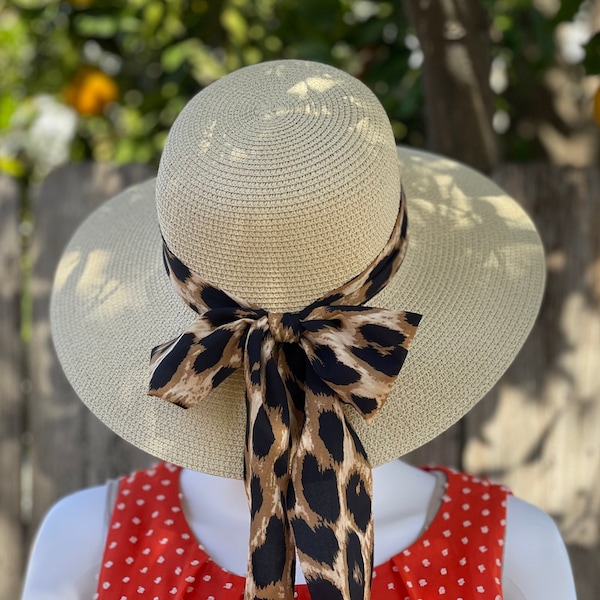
(359, 351)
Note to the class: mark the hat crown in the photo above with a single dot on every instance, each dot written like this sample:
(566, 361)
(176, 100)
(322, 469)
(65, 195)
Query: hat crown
(279, 182)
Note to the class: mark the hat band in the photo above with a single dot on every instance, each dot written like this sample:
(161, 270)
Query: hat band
(308, 478)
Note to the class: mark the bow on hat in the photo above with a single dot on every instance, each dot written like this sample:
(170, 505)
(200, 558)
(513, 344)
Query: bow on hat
(308, 478)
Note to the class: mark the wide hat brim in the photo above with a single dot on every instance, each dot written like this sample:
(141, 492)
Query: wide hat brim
(474, 269)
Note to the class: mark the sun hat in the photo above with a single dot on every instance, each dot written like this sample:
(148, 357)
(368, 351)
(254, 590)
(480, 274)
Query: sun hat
(278, 184)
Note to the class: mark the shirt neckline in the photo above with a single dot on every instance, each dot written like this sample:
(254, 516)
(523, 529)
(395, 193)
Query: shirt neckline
(175, 473)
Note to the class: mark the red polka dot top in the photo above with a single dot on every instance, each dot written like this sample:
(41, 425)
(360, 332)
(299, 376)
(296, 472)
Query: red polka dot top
(151, 552)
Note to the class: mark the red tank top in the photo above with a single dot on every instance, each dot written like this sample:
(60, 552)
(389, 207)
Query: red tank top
(151, 552)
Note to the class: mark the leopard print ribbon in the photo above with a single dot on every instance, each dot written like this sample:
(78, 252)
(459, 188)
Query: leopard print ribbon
(308, 478)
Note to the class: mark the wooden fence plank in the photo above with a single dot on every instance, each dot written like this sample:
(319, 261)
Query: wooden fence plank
(11, 410)
(71, 448)
(538, 431)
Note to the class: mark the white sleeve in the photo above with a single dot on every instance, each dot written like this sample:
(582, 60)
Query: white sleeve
(536, 564)
(66, 555)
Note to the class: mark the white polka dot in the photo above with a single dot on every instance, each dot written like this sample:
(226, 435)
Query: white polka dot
(497, 580)
(406, 552)
(149, 532)
(485, 497)
(441, 590)
(160, 497)
(157, 579)
(151, 472)
(501, 542)
(485, 512)
(466, 506)
(160, 560)
(463, 561)
(465, 540)
(146, 551)
(195, 563)
(485, 529)
(445, 516)
(121, 506)
(175, 509)
(228, 585)
(105, 585)
(503, 522)
(445, 552)
(178, 570)
(185, 536)
(406, 568)
(426, 543)
(480, 589)
(461, 582)
(390, 586)
(409, 584)
(467, 523)
(129, 560)
(446, 533)
(498, 562)
(163, 541)
(126, 492)
(190, 589)
(173, 590)
(108, 564)
(425, 562)
(466, 490)
(141, 590)
(394, 568)
(180, 550)
(481, 568)
(126, 579)
(116, 525)
(112, 545)
(146, 487)
(190, 579)
(140, 502)
(144, 570)
(155, 514)
(169, 522)
(123, 598)
(207, 578)
(136, 520)
(422, 582)
(166, 482)
(133, 539)
(443, 571)
(482, 549)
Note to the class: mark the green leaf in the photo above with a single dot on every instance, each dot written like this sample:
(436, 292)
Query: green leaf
(591, 62)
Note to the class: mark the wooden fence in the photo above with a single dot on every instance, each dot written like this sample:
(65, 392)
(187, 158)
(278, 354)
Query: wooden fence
(538, 430)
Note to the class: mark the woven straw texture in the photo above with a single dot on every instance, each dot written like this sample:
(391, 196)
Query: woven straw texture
(279, 183)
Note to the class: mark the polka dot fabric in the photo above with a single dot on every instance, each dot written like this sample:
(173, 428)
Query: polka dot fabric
(151, 552)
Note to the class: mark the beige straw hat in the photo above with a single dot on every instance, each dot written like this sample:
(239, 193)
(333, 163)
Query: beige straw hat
(278, 183)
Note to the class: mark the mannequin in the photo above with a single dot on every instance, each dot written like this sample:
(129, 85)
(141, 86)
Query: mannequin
(68, 550)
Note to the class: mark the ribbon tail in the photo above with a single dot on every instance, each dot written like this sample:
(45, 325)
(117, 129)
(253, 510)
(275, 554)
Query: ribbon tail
(271, 559)
(332, 489)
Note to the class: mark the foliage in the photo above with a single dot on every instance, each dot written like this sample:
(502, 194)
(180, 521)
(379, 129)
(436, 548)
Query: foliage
(126, 69)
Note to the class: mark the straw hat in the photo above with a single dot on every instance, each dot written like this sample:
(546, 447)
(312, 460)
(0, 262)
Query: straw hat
(278, 183)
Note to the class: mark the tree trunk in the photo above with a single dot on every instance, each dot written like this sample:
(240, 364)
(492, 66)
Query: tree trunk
(454, 39)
